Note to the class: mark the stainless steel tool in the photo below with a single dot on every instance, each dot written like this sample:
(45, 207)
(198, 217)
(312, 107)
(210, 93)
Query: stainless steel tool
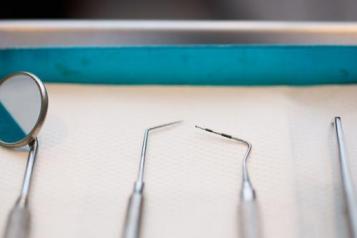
(23, 108)
(347, 183)
(250, 223)
(135, 206)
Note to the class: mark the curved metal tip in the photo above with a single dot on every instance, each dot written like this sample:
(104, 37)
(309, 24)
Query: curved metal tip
(248, 187)
(165, 125)
(140, 180)
(337, 119)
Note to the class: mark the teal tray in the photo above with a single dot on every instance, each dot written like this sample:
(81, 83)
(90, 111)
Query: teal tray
(187, 65)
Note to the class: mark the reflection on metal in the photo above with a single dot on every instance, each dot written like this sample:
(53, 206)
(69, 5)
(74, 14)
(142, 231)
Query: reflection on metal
(18, 222)
(10, 130)
(112, 32)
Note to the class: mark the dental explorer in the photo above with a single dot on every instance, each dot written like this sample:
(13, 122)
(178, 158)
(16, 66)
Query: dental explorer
(135, 206)
(346, 178)
(250, 226)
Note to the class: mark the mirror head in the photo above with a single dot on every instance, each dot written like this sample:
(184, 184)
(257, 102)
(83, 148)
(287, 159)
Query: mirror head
(23, 109)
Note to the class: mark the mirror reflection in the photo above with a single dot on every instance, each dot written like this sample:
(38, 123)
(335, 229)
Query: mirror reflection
(20, 107)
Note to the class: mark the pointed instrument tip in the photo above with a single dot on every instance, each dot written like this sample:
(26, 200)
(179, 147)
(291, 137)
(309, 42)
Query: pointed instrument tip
(198, 127)
(164, 125)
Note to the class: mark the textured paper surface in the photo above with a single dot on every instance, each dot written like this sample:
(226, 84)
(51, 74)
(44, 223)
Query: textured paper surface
(90, 147)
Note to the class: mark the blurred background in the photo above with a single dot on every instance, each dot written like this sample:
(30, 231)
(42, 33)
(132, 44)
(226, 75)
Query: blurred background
(301, 10)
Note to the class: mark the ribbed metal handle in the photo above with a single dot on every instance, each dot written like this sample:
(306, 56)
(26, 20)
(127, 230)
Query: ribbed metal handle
(18, 223)
(133, 216)
(250, 223)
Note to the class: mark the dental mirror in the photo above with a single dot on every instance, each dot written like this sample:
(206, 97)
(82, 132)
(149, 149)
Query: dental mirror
(23, 109)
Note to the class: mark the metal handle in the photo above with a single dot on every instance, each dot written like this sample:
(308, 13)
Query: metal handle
(18, 223)
(346, 178)
(133, 216)
(250, 223)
